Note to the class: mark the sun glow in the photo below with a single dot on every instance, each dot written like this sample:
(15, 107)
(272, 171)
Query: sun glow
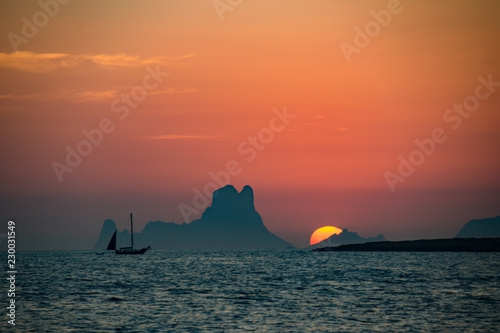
(323, 233)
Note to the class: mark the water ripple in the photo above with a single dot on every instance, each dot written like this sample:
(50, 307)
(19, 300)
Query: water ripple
(265, 291)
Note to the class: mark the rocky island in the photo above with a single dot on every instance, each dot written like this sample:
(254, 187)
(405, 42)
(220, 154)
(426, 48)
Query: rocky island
(231, 222)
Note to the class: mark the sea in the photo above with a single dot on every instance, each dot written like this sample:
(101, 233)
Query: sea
(255, 291)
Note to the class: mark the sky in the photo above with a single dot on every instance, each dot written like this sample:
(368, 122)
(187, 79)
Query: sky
(375, 116)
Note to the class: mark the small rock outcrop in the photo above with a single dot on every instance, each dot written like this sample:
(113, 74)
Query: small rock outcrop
(347, 237)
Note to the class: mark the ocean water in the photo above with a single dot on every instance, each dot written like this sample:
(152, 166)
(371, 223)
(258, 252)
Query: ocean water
(262, 291)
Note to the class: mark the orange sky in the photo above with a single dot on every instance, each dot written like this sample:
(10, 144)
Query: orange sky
(353, 119)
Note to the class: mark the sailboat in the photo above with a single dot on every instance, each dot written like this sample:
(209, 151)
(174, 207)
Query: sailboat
(130, 249)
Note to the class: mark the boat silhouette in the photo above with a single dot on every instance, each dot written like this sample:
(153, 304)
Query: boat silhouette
(129, 249)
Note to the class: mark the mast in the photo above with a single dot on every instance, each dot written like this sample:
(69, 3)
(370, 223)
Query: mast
(131, 232)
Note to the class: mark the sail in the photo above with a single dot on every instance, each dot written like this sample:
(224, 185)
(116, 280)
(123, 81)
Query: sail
(112, 243)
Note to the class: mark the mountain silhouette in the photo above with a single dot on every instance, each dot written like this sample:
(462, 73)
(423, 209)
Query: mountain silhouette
(483, 228)
(346, 237)
(107, 230)
(231, 222)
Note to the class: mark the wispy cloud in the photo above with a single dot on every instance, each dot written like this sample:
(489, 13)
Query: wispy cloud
(94, 95)
(173, 91)
(174, 137)
(123, 60)
(75, 95)
(339, 129)
(48, 62)
(81, 96)
(19, 96)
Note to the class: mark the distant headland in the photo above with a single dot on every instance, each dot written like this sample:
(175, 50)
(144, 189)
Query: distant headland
(475, 236)
(424, 245)
(231, 222)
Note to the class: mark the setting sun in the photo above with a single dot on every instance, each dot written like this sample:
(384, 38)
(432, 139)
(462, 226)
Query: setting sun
(323, 233)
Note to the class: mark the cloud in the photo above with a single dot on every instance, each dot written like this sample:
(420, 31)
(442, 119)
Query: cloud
(77, 96)
(123, 60)
(19, 96)
(173, 91)
(81, 96)
(339, 129)
(97, 95)
(174, 137)
(48, 62)
(93, 95)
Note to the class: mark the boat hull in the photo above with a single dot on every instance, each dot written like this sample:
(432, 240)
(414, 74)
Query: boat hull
(131, 251)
